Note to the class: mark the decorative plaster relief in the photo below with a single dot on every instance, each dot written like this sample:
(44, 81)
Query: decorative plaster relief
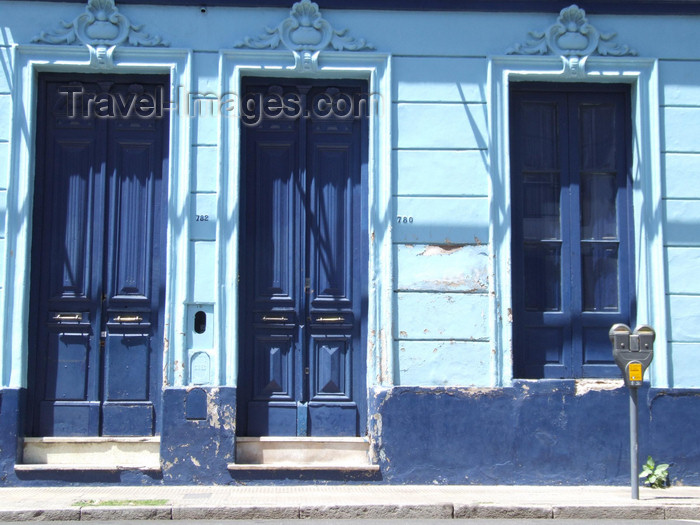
(305, 33)
(573, 39)
(101, 28)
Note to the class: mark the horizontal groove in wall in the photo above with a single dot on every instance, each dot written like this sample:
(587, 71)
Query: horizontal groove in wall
(669, 151)
(452, 340)
(680, 199)
(457, 150)
(679, 60)
(395, 148)
(454, 245)
(439, 196)
(442, 102)
(479, 57)
(441, 292)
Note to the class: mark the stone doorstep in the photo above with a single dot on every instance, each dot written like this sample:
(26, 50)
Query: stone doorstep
(90, 453)
(307, 453)
(81, 467)
(317, 467)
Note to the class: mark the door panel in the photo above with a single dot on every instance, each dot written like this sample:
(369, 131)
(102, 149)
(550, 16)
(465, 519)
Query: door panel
(97, 258)
(572, 249)
(274, 386)
(70, 275)
(303, 245)
(132, 224)
(275, 212)
(274, 155)
(330, 368)
(273, 373)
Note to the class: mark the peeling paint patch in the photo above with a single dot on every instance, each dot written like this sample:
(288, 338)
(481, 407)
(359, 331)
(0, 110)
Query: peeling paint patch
(213, 408)
(440, 267)
(441, 249)
(166, 350)
(584, 386)
(384, 376)
(196, 451)
(479, 391)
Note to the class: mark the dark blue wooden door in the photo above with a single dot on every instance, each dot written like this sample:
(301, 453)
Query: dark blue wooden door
(303, 260)
(572, 271)
(98, 255)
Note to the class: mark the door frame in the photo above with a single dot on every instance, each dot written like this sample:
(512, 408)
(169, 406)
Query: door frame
(302, 347)
(572, 318)
(29, 61)
(374, 68)
(642, 74)
(95, 357)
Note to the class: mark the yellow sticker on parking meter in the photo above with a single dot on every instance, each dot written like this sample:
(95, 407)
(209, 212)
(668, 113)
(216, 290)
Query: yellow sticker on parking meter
(635, 371)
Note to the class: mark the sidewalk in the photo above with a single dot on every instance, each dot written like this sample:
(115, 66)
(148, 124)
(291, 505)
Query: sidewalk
(345, 501)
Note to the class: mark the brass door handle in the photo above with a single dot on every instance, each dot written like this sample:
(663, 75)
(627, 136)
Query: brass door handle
(274, 319)
(330, 319)
(68, 317)
(128, 319)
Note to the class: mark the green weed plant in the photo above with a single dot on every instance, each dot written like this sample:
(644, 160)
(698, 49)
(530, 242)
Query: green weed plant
(655, 475)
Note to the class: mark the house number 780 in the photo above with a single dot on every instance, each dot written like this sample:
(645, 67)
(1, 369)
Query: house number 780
(404, 219)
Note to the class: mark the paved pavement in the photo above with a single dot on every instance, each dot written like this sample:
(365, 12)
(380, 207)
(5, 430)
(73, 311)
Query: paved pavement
(345, 502)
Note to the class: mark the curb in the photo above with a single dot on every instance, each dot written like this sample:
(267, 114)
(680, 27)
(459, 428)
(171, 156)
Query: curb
(359, 511)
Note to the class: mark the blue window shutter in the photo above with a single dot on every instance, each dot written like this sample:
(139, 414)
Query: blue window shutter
(572, 244)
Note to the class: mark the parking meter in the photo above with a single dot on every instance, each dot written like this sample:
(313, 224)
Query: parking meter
(633, 351)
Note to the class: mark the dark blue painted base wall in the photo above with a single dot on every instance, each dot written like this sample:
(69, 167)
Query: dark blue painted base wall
(536, 432)
(197, 442)
(198, 437)
(11, 400)
(533, 433)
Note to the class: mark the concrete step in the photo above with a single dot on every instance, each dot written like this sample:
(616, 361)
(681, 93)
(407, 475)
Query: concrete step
(90, 453)
(302, 453)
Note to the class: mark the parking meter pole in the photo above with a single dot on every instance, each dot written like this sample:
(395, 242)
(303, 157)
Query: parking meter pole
(633, 352)
(634, 444)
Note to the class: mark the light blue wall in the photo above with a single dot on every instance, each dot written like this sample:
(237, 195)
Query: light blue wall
(6, 83)
(680, 110)
(440, 167)
(441, 259)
